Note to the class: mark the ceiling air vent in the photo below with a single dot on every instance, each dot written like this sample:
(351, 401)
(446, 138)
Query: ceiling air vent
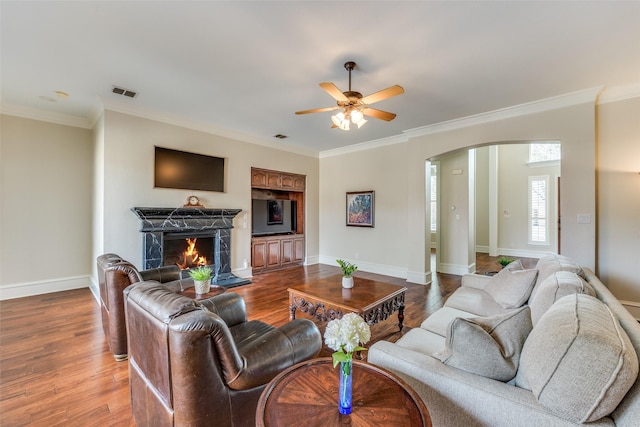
(124, 92)
(280, 136)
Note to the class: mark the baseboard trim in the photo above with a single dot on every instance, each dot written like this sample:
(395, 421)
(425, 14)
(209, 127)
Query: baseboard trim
(457, 269)
(27, 289)
(312, 260)
(419, 278)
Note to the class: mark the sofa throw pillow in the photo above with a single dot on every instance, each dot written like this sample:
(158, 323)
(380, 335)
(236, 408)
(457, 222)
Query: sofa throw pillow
(549, 264)
(578, 361)
(514, 265)
(511, 288)
(487, 346)
(554, 287)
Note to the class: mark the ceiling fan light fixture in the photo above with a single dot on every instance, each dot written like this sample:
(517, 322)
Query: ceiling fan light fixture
(361, 123)
(356, 116)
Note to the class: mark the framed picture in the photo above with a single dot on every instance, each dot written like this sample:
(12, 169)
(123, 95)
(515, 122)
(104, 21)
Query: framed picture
(274, 212)
(360, 208)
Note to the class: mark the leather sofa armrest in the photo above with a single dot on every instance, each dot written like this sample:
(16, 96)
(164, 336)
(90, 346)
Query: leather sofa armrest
(164, 274)
(477, 281)
(229, 306)
(294, 342)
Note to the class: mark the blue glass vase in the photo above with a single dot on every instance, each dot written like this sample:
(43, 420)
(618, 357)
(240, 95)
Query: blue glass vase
(344, 392)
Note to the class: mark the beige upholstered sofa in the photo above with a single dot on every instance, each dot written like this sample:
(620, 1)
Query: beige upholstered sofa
(550, 347)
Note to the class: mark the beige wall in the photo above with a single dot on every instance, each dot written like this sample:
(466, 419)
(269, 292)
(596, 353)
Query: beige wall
(128, 182)
(45, 220)
(482, 199)
(380, 249)
(513, 182)
(60, 179)
(400, 170)
(618, 183)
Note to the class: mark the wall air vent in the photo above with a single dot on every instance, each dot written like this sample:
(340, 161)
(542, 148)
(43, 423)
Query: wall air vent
(124, 92)
(280, 136)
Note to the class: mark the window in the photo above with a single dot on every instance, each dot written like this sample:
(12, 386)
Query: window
(545, 152)
(539, 210)
(434, 199)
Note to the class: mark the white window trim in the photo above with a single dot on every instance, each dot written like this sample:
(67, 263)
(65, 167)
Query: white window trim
(546, 241)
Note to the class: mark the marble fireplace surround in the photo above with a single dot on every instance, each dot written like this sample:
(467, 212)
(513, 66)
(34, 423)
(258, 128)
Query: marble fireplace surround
(156, 223)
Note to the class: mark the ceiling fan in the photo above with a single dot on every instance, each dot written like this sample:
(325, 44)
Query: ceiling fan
(354, 105)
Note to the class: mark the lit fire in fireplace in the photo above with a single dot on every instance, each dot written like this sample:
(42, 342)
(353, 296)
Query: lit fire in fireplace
(191, 257)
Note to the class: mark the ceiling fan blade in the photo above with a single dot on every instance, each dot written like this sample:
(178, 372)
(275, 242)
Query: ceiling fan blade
(333, 90)
(378, 114)
(383, 94)
(317, 110)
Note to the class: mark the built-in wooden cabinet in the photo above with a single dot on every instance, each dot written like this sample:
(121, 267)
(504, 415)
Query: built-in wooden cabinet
(285, 250)
(275, 180)
(273, 252)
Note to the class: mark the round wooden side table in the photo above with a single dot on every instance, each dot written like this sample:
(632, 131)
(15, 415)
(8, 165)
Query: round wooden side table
(307, 394)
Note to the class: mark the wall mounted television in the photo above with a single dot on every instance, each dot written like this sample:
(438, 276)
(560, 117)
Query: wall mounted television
(188, 171)
(270, 217)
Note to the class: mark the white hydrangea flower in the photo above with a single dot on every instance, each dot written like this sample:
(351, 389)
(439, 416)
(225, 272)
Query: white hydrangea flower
(347, 333)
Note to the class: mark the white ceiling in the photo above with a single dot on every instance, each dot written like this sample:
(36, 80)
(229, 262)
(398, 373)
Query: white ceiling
(245, 67)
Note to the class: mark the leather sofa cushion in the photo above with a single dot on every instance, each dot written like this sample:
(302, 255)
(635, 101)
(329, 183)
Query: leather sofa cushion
(512, 288)
(487, 346)
(583, 369)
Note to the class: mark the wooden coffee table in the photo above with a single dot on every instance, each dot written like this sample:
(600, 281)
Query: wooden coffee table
(326, 299)
(307, 394)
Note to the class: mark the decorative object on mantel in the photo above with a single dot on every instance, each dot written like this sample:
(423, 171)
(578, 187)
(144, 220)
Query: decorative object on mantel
(360, 208)
(345, 336)
(347, 272)
(193, 202)
(201, 278)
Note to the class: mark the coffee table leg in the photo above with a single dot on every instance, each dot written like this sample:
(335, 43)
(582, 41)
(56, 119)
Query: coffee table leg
(292, 307)
(401, 317)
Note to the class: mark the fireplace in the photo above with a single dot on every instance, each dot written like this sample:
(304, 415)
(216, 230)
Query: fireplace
(189, 237)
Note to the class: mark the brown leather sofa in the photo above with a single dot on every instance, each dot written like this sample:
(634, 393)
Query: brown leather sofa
(202, 363)
(114, 275)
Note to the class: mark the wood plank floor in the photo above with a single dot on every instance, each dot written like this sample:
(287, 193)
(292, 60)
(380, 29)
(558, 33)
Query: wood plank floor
(56, 369)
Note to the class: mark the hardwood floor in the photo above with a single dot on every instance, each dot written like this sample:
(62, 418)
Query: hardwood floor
(56, 369)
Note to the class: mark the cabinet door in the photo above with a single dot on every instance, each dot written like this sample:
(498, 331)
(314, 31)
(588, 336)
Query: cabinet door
(259, 254)
(287, 181)
(258, 178)
(298, 183)
(298, 249)
(274, 180)
(273, 253)
(288, 251)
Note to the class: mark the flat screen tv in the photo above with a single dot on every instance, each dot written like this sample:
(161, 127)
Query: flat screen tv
(273, 217)
(189, 171)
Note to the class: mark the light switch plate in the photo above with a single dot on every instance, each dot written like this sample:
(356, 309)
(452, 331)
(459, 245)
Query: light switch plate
(584, 218)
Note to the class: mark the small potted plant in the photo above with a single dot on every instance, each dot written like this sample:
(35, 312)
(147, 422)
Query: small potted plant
(504, 261)
(347, 272)
(201, 278)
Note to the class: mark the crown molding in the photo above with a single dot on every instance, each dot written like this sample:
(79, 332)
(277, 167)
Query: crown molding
(44, 116)
(620, 93)
(200, 126)
(392, 140)
(547, 104)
